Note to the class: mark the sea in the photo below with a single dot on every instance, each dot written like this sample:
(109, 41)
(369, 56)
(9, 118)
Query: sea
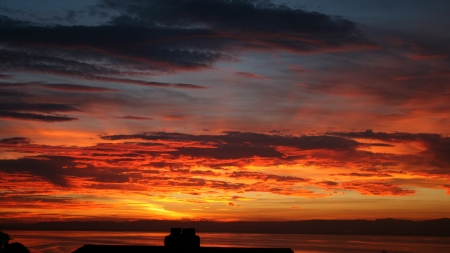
(68, 241)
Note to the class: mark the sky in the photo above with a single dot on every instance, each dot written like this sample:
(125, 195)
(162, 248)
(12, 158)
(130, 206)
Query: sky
(224, 110)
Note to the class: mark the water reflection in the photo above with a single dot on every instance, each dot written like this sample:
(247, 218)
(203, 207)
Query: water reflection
(68, 241)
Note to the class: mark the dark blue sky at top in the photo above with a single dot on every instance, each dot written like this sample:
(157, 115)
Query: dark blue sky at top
(69, 42)
(399, 14)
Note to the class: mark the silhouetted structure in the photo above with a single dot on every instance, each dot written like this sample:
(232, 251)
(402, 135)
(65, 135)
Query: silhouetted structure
(182, 238)
(179, 240)
(4, 240)
(15, 247)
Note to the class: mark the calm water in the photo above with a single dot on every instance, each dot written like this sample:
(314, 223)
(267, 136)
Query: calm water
(66, 242)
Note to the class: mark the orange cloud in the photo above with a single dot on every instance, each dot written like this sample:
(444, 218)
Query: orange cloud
(375, 188)
(447, 187)
(208, 169)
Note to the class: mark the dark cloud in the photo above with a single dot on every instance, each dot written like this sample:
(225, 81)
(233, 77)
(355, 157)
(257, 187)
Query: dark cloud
(8, 22)
(145, 83)
(138, 47)
(229, 152)
(158, 35)
(77, 88)
(4, 85)
(177, 151)
(238, 149)
(111, 178)
(327, 183)
(376, 188)
(49, 168)
(161, 165)
(131, 117)
(71, 16)
(206, 173)
(34, 117)
(438, 147)
(440, 151)
(10, 93)
(390, 137)
(232, 147)
(356, 174)
(253, 24)
(56, 60)
(173, 159)
(55, 86)
(14, 110)
(30, 198)
(15, 141)
(379, 144)
(37, 107)
(239, 138)
(265, 177)
(58, 169)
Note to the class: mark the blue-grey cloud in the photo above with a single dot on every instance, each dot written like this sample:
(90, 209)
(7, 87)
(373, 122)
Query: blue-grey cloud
(34, 117)
(157, 35)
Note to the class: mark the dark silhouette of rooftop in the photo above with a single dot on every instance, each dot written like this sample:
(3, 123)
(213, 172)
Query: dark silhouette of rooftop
(161, 249)
(179, 240)
(182, 238)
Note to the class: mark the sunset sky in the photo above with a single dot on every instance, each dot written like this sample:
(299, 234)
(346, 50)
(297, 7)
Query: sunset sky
(224, 109)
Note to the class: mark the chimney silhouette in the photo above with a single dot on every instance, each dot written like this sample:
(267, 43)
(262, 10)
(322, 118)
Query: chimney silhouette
(182, 239)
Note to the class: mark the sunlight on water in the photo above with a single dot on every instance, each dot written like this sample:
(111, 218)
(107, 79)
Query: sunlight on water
(68, 241)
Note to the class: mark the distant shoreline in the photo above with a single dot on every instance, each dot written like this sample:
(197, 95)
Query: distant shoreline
(389, 227)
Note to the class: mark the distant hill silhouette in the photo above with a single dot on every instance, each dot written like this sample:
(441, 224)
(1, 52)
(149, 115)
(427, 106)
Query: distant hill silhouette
(439, 227)
(15, 247)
